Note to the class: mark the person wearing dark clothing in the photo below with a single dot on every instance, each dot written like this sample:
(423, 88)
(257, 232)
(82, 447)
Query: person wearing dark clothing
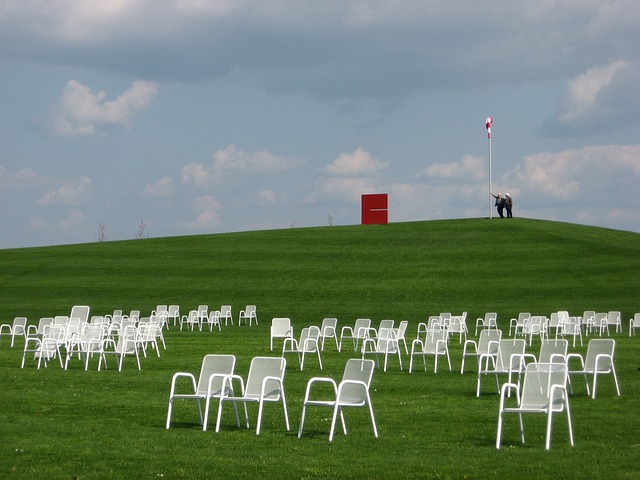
(499, 203)
(508, 204)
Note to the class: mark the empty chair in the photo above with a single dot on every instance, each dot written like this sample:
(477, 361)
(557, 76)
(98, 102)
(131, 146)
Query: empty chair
(352, 391)
(87, 344)
(357, 333)
(280, 328)
(209, 384)
(126, 344)
(173, 314)
(614, 318)
(386, 344)
(435, 345)
(543, 391)
(433, 322)
(249, 315)
(401, 333)
(18, 328)
(555, 323)
(600, 323)
(213, 320)
(598, 361)
(553, 351)
(265, 384)
(81, 312)
(226, 314)
(308, 343)
(458, 325)
(634, 323)
(38, 331)
(44, 349)
(536, 325)
(328, 329)
(190, 320)
(516, 325)
(487, 345)
(203, 314)
(490, 320)
(509, 360)
(587, 320)
(571, 328)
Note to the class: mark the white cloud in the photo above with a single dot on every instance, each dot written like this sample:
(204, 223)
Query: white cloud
(267, 198)
(583, 91)
(231, 159)
(74, 218)
(470, 168)
(79, 112)
(70, 193)
(358, 163)
(207, 209)
(162, 188)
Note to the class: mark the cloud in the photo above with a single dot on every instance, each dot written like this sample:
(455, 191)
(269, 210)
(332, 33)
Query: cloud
(330, 49)
(231, 159)
(70, 193)
(162, 188)
(267, 198)
(358, 163)
(79, 112)
(470, 168)
(594, 185)
(207, 209)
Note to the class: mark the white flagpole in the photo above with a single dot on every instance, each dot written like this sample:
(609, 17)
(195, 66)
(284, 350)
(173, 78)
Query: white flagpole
(488, 121)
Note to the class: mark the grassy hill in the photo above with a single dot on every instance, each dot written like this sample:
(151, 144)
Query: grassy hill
(110, 424)
(403, 270)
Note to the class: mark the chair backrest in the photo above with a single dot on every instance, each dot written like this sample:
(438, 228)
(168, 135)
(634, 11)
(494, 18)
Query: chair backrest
(262, 367)
(402, 329)
(603, 348)
(214, 364)
(510, 354)
(553, 351)
(328, 327)
(309, 339)
(361, 327)
(488, 341)
(436, 341)
(43, 322)
(356, 370)
(225, 310)
(250, 310)
(537, 388)
(434, 322)
(203, 310)
(81, 312)
(387, 340)
(491, 319)
(280, 326)
(173, 310)
(386, 324)
(613, 318)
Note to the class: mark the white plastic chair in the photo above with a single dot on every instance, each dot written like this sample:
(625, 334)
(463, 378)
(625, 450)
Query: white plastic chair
(308, 343)
(280, 328)
(352, 391)
(435, 345)
(386, 343)
(543, 392)
(328, 329)
(614, 318)
(18, 328)
(357, 333)
(265, 384)
(598, 361)
(249, 315)
(516, 325)
(509, 360)
(226, 314)
(487, 345)
(126, 344)
(490, 320)
(634, 324)
(209, 385)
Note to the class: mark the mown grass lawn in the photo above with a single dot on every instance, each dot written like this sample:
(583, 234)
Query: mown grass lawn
(77, 424)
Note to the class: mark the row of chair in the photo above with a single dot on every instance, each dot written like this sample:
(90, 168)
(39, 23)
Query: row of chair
(265, 384)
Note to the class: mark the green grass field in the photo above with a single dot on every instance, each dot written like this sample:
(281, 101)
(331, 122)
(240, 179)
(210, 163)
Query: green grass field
(77, 424)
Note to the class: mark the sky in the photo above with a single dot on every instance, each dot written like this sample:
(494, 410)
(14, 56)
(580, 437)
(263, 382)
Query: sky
(124, 119)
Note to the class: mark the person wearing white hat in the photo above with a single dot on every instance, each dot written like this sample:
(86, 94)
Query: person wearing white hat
(508, 204)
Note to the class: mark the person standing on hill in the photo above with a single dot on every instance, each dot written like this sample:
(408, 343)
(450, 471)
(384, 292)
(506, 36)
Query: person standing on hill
(508, 204)
(499, 203)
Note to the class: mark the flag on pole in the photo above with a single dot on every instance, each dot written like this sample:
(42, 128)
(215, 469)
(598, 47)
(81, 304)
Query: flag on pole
(488, 121)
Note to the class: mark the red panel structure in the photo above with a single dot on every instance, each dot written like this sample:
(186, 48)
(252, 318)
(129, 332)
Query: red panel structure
(375, 208)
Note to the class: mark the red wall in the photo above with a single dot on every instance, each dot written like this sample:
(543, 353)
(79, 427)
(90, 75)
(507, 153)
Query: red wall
(375, 208)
